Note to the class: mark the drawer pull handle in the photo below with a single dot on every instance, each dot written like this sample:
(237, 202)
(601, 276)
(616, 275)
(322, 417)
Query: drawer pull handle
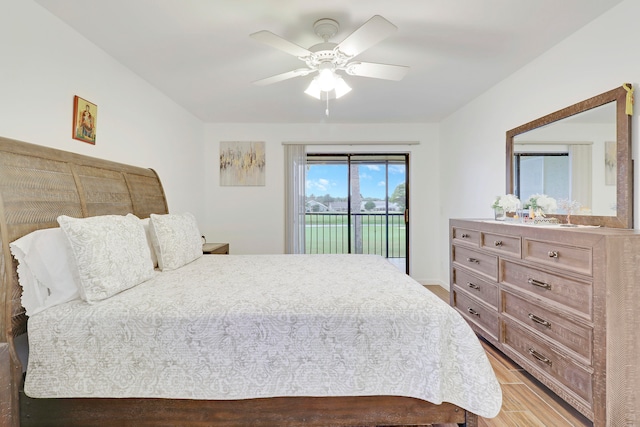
(465, 236)
(473, 260)
(539, 356)
(553, 254)
(472, 311)
(473, 286)
(539, 320)
(538, 283)
(497, 243)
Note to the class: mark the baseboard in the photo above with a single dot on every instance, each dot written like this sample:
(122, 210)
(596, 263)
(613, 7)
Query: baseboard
(444, 286)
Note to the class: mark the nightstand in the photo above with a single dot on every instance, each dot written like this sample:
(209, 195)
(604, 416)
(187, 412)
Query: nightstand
(215, 248)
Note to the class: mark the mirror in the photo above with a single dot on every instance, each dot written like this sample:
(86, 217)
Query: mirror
(580, 153)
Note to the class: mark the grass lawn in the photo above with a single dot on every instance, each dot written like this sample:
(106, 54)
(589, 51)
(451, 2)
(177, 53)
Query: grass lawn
(328, 233)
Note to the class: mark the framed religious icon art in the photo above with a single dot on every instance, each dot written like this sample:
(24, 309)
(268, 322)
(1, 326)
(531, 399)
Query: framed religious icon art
(85, 116)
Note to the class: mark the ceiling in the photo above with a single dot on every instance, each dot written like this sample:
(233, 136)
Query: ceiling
(199, 53)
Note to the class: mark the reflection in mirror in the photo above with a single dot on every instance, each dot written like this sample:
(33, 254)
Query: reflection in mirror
(580, 153)
(571, 159)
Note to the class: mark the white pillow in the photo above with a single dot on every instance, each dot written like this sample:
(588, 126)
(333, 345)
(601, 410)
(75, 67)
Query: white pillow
(145, 225)
(110, 253)
(176, 239)
(44, 270)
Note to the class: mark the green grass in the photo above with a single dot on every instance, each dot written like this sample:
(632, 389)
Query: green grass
(327, 233)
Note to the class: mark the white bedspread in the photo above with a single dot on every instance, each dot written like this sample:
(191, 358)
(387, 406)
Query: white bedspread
(236, 327)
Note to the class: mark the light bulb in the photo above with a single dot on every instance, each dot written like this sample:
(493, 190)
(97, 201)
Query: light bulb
(326, 80)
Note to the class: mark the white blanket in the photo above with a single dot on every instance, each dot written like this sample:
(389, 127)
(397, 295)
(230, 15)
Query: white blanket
(238, 327)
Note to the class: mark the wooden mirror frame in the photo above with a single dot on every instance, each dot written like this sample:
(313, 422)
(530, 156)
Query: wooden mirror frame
(624, 182)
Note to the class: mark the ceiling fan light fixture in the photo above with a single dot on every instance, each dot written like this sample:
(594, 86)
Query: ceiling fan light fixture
(342, 88)
(314, 88)
(326, 79)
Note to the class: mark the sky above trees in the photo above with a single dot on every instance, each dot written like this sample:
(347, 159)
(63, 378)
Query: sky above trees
(332, 179)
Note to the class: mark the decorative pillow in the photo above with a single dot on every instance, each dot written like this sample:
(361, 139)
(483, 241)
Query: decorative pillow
(176, 239)
(110, 253)
(44, 270)
(145, 225)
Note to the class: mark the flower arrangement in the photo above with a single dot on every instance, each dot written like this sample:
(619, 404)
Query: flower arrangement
(539, 204)
(508, 203)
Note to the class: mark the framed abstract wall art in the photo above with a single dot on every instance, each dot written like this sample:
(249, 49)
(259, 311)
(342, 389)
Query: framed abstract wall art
(242, 163)
(610, 162)
(85, 116)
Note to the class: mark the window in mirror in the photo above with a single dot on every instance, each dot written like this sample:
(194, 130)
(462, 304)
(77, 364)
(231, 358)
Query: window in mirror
(542, 173)
(582, 139)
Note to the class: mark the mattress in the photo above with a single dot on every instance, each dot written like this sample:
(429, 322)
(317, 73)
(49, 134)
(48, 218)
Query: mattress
(258, 326)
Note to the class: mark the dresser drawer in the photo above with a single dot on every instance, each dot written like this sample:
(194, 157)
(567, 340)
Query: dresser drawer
(480, 262)
(575, 337)
(549, 361)
(501, 244)
(477, 313)
(480, 288)
(465, 235)
(571, 293)
(570, 258)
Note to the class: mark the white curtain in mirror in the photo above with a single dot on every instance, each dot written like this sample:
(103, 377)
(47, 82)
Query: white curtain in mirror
(581, 174)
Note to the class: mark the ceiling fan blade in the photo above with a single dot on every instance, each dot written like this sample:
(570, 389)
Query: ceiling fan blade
(371, 32)
(284, 76)
(377, 71)
(274, 40)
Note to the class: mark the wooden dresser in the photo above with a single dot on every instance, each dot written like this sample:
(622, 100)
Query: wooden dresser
(563, 303)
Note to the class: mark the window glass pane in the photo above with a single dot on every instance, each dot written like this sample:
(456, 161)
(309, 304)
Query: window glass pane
(326, 206)
(543, 174)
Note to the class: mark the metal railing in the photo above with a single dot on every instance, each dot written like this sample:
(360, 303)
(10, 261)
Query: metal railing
(371, 233)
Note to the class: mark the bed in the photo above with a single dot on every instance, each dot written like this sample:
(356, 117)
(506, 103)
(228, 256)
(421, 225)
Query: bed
(210, 384)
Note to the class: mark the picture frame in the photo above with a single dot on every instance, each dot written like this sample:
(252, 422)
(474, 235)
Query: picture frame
(85, 119)
(242, 163)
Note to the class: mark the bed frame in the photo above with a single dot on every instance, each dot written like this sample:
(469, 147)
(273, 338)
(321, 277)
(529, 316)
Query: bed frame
(37, 184)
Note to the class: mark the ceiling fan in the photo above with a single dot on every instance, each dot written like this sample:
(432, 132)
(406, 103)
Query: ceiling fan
(327, 58)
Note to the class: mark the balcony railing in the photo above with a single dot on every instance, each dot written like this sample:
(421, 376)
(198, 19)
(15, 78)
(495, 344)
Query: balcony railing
(371, 233)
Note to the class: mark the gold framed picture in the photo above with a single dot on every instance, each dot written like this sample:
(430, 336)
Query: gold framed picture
(85, 115)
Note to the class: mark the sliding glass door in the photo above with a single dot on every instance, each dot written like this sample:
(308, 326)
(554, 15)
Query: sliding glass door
(358, 203)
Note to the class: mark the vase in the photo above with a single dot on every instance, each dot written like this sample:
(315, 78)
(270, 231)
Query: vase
(499, 214)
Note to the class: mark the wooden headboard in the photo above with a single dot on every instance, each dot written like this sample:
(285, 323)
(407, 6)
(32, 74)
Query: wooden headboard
(37, 184)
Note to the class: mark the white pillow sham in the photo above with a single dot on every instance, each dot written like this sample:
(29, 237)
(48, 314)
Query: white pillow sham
(145, 225)
(176, 239)
(109, 254)
(44, 270)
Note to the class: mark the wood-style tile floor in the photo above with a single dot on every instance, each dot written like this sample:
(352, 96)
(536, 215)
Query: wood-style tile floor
(525, 401)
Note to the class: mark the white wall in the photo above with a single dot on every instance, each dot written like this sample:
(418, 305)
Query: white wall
(44, 63)
(600, 56)
(252, 218)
